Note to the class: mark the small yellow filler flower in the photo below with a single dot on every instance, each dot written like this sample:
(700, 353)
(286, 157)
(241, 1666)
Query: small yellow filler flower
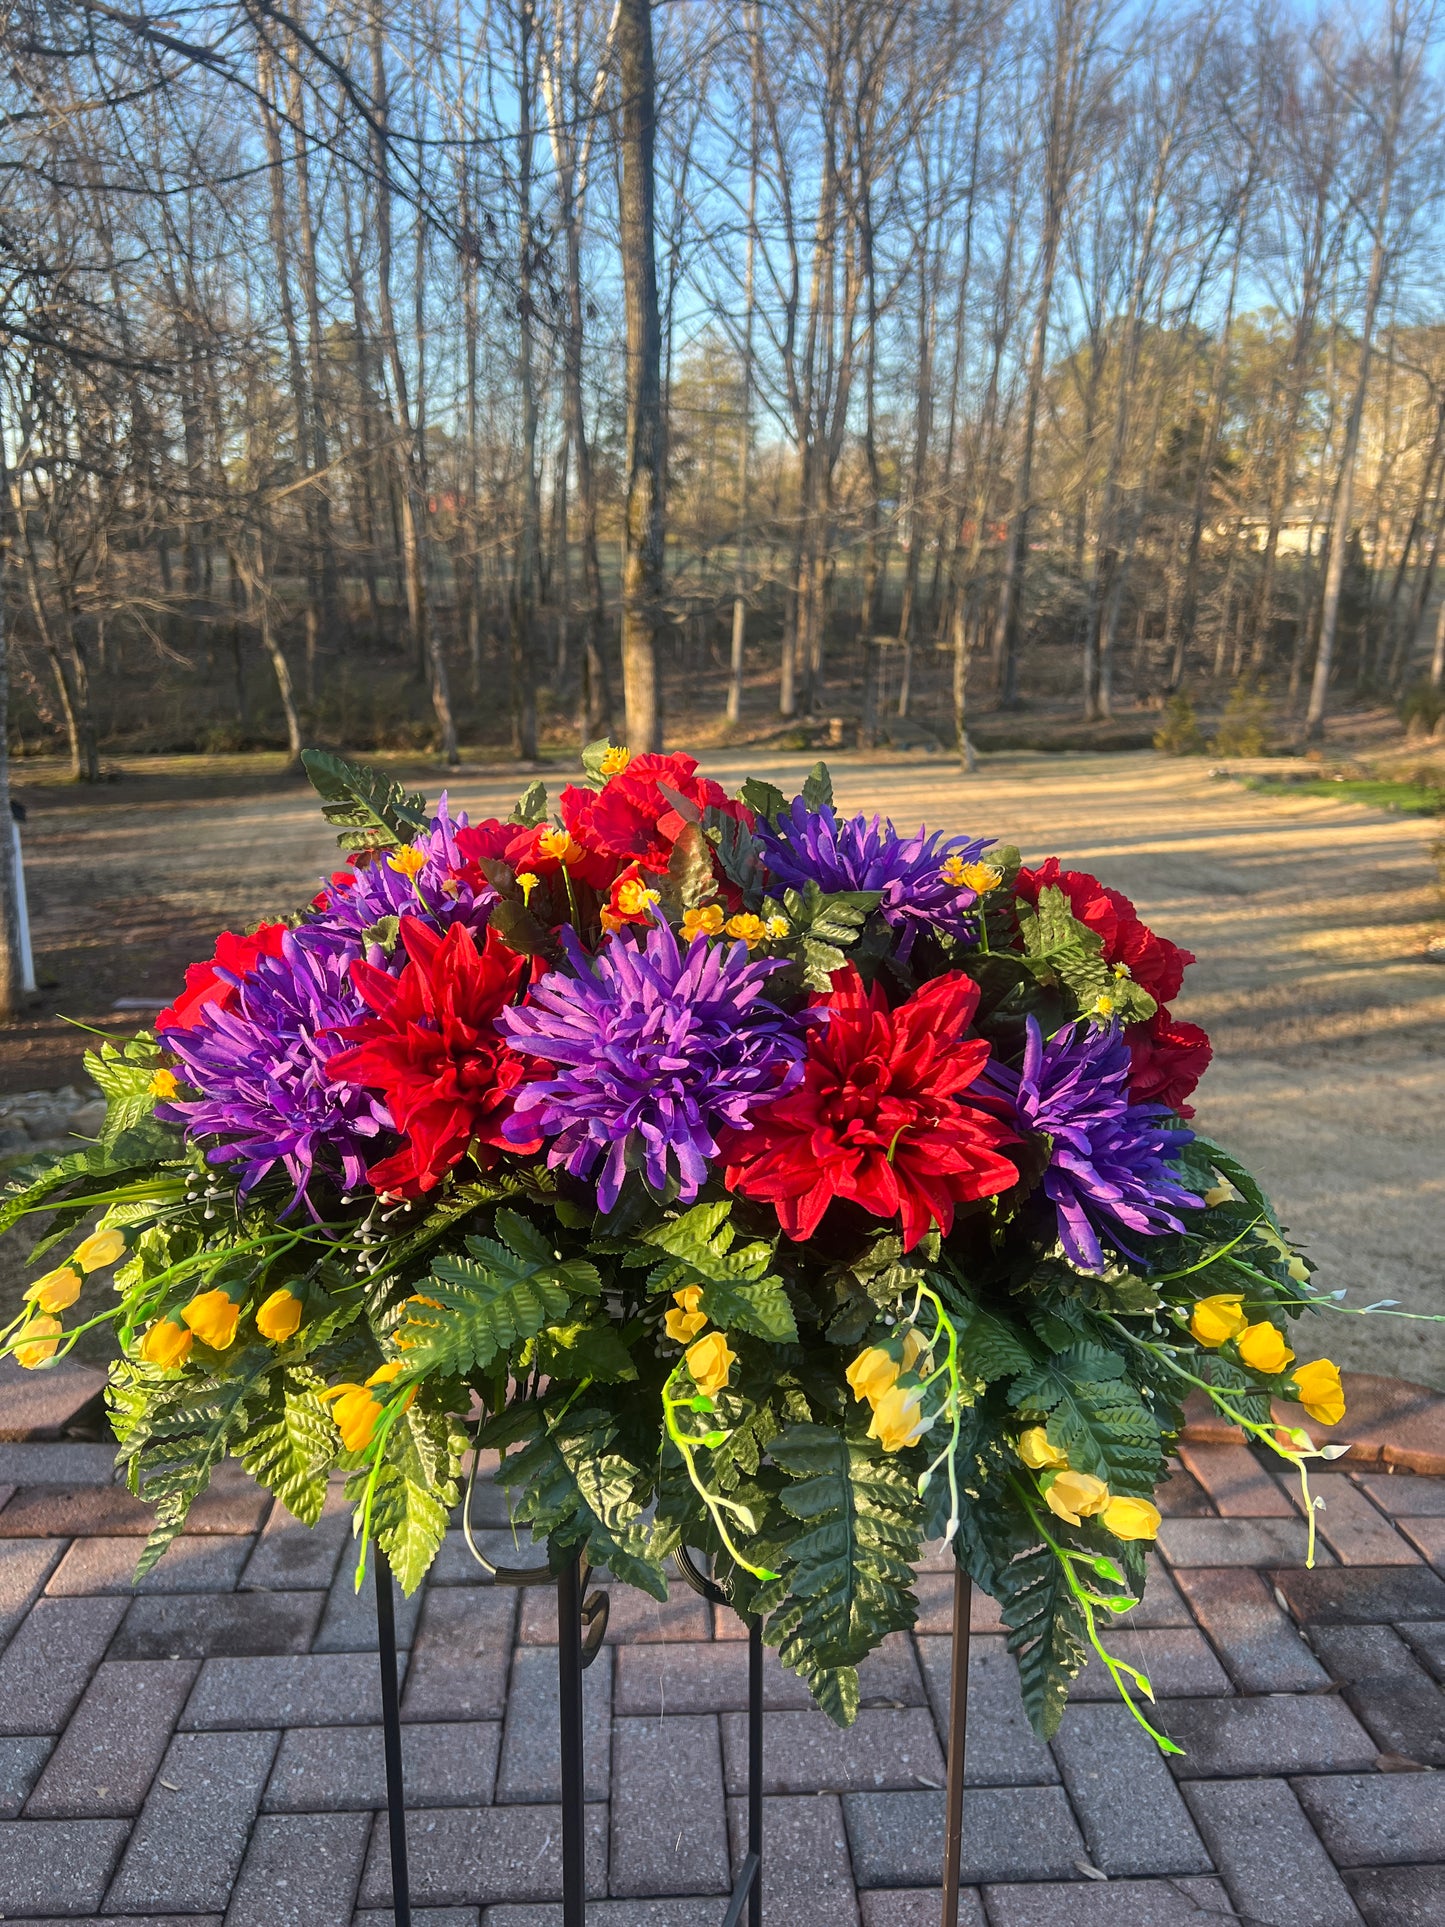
(615, 760)
(710, 1360)
(688, 1318)
(704, 921)
(164, 1082)
(409, 861)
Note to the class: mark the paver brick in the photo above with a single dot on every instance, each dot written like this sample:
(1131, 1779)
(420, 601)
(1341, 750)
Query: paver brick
(68, 1511)
(1162, 1604)
(1428, 1537)
(116, 1739)
(291, 1557)
(348, 1624)
(223, 1625)
(1274, 1733)
(807, 1872)
(1387, 1689)
(67, 1463)
(191, 1565)
(1001, 1748)
(39, 1405)
(1133, 1816)
(1352, 1528)
(301, 1870)
(805, 1752)
(1122, 1903)
(462, 1855)
(1261, 1645)
(425, 1917)
(1238, 1486)
(916, 1907)
(48, 1664)
(25, 1565)
(1009, 1833)
(1399, 1896)
(934, 1591)
(1272, 1861)
(193, 1829)
(57, 1867)
(1182, 1496)
(462, 1654)
(632, 1616)
(311, 1689)
(1177, 1661)
(21, 1762)
(1238, 1542)
(1377, 1819)
(1403, 1496)
(323, 1769)
(668, 1828)
(531, 1763)
(1360, 1594)
(1426, 1639)
(671, 1911)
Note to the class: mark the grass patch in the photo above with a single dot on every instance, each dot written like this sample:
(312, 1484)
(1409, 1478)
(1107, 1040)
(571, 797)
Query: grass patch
(1376, 792)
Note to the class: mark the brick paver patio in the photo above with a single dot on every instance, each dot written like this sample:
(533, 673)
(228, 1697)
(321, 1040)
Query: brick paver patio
(208, 1750)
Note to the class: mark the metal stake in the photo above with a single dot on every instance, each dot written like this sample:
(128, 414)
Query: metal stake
(957, 1733)
(391, 1740)
(569, 1694)
(755, 1770)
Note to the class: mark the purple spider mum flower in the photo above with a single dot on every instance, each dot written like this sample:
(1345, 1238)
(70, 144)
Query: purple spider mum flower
(448, 888)
(913, 872)
(657, 1049)
(1109, 1173)
(260, 1069)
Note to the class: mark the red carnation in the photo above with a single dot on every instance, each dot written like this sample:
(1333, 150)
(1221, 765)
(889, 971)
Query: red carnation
(631, 818)
(1168, 1058)
(207, 989)
(877, 1117)
(1154, 963)
(434, 1051)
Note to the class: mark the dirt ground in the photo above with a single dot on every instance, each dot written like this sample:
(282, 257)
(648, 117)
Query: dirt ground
(1309, 918)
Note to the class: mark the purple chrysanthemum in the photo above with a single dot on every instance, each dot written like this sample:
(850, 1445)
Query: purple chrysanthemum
(448, 888)
(260, 1069)
(808, 845)
(1109, 1172)
(656, 1050)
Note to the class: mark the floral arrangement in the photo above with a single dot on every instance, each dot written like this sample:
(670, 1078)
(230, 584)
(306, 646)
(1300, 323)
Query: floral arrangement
(753, 1178)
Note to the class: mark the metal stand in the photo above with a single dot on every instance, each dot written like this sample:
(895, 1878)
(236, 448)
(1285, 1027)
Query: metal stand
(957, 1734)
(391, 1740)
(748, 1888)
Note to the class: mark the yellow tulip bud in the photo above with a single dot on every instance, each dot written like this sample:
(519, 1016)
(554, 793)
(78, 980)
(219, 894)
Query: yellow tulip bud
(1264, 1350)
(684, 1326)
(1318, 1388)
(356, 1413)
(1218, 1319)
(99, 1249)
(1074, 1496)
(1034, 1449)
(40, 1342)
(915, 1346)
(897, 1418)
(387, 1374)
(1131, 1518)
(279, 1318)
(213, 1316)
(57, 1290)
(689, 1298)
(872, 1373)
(710, 1360)
(167, 1343)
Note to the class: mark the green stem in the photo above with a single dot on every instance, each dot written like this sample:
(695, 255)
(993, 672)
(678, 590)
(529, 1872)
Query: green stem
(714, 1502)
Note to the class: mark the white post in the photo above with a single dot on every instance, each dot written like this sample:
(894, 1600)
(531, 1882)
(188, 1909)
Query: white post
(22, 913)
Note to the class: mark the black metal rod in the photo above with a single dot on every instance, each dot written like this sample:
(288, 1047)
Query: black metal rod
(755, 1769)
(957, 1734)
(569, 1695)
(391, 1740)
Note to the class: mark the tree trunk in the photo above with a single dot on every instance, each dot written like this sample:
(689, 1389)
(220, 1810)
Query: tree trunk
(522, 682)
(642, 558)
(11, 967)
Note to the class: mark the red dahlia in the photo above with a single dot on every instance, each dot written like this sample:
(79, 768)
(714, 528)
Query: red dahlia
(1168, 1058)
(434, 1051)
(207, 989)
(878, 1117)
(1153, 961)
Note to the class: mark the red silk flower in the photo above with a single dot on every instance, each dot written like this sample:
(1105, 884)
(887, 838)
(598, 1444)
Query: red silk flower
(878, 1117)
(631, 819)
(434, 1051)
(1168, 1058)
(1153, 961)
(206, 988)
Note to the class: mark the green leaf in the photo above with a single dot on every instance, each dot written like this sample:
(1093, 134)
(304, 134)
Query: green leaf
(738, 851)
(584, 1349)
(291, 1444)
(519, 930)
(850, 1567)
(592, 757)
(739, 1293)
(1096, 1416)
(818, 789)
(764, 799)
(530, 808)
(414, 1491)
(759, 1310)
(384, 933)
(988, 1347)
(689, 880)
(1047, 1632)
(484, 1304)
(371, 811)
(578, 1490)
(1243, 1181)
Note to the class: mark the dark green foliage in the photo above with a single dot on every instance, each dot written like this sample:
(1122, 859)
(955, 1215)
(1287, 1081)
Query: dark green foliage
(291, 1442)
(530, 808)
(739, 1291)
(1095, 1415)
(370, 811)
(578, 1491)
(1046, 1630)
(482, 1305)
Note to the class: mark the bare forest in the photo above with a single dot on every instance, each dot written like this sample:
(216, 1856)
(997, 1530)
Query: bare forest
(506, 371)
